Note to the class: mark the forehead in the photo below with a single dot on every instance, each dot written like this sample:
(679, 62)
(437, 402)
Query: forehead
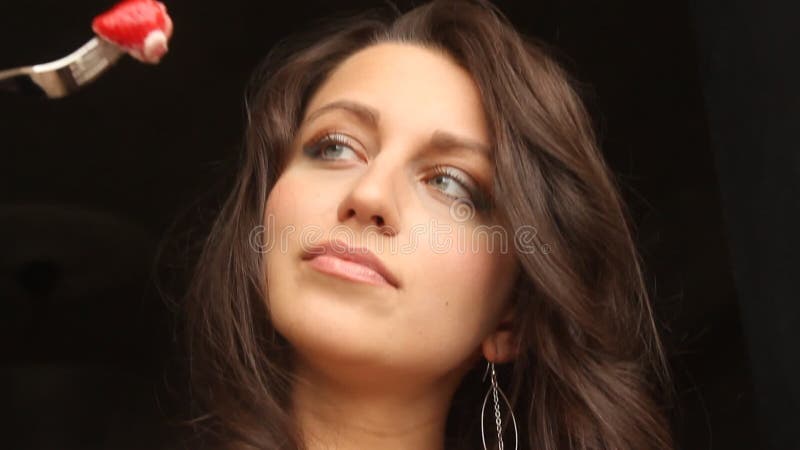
(413, 88)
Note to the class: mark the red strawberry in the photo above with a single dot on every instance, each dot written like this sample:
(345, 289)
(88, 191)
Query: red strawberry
(141, 27)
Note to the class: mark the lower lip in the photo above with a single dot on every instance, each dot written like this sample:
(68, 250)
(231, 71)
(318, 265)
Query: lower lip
(347, 269)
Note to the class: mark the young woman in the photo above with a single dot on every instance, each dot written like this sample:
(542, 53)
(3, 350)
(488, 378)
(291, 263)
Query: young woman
(424, 249)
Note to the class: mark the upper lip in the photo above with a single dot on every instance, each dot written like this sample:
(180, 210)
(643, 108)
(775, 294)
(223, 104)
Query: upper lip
(360, 255)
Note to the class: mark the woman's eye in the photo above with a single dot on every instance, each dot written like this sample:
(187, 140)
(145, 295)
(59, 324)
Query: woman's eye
(331, 147)
(450, 186)
(456, 186)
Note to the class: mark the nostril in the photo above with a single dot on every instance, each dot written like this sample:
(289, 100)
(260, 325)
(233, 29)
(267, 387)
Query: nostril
(379, 220)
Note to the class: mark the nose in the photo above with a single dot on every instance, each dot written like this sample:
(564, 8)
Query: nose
(372, 201)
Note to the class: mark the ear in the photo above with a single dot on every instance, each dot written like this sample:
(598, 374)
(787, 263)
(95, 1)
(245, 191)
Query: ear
(500, 346)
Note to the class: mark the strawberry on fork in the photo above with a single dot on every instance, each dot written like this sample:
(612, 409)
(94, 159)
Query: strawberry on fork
(140, 27)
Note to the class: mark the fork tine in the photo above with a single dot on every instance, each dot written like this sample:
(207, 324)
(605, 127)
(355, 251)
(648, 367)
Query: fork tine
(103, 50)
(94, 62)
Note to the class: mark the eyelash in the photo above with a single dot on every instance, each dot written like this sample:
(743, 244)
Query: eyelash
(479, 197)
(318, 143)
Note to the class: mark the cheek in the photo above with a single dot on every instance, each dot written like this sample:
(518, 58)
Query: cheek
(281, 218)
(465, 276)
(458, 295)
(281, 203)
(467, 269)
(299, 199)
(294, 216)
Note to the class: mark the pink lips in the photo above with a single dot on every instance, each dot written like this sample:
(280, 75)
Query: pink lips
(352, 263)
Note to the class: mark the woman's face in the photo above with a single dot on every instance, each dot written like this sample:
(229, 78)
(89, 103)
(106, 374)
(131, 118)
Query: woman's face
(373, 182)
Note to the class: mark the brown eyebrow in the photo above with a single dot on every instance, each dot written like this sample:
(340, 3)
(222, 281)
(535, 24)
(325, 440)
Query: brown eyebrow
(365, 113)
(447, 141)
(441, 139)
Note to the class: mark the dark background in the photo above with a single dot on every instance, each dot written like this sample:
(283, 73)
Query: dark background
(696, 104)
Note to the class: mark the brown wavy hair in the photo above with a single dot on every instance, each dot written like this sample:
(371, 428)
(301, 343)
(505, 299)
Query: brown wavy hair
(591, 371)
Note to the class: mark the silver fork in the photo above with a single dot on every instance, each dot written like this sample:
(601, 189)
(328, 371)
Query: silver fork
(63, 76)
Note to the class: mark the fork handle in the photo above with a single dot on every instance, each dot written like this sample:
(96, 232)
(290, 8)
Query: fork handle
(19, 81)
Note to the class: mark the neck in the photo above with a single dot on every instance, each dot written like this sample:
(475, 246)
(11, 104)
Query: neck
(333, 413)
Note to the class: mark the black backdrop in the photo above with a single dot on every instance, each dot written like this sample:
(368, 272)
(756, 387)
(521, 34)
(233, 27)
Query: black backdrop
(750, 70)
(695, 103)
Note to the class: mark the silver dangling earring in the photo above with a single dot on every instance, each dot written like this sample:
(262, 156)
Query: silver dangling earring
(494, 389)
